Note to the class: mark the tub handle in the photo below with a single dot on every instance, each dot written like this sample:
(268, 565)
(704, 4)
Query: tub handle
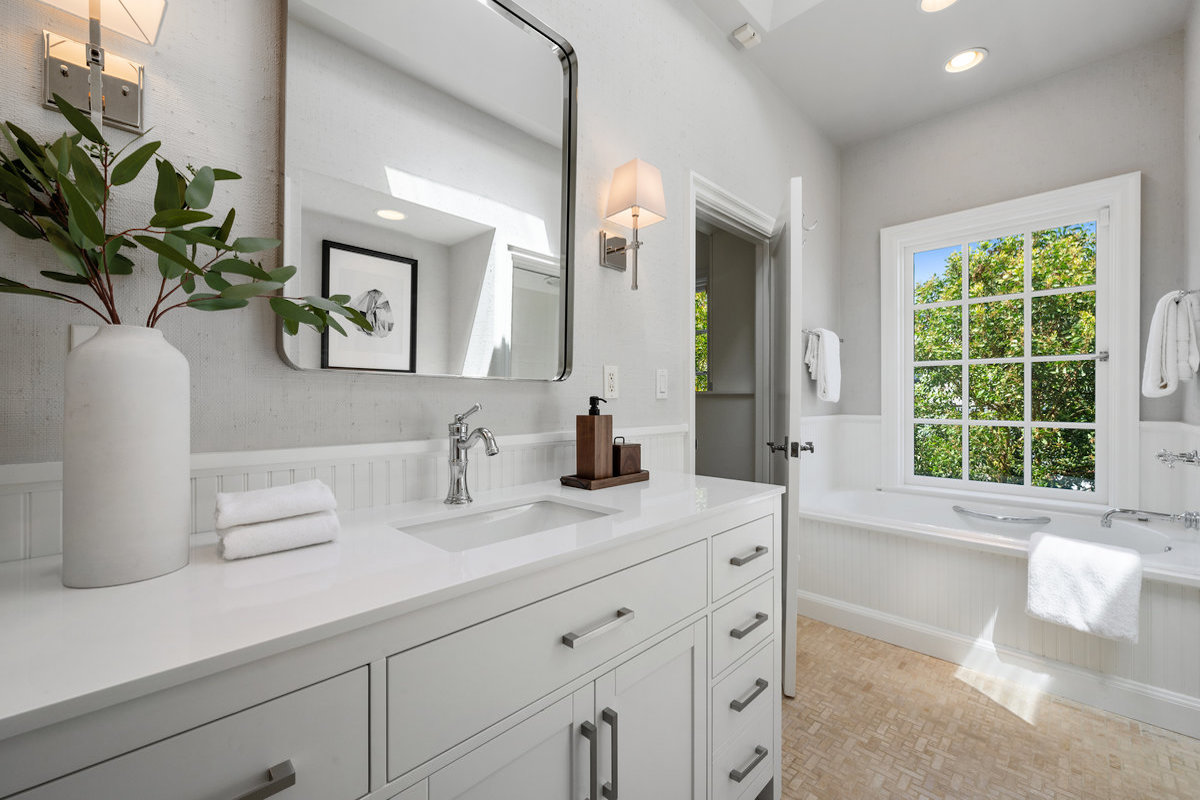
(966, 512)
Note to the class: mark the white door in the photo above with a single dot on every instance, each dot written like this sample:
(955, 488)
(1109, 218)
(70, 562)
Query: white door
(787, 368)
(651, 715)
(546, 757)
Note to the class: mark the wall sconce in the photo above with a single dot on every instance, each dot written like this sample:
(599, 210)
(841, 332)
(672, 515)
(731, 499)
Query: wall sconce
(79, 72)
(635, 200)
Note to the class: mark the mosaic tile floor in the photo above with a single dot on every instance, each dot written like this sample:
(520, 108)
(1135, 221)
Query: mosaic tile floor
(871, 720)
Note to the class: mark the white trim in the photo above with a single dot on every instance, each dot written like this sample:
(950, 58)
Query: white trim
(1117, 471)
(1129, 698)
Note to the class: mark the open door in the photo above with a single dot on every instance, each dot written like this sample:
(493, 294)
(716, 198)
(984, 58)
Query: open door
(786, 378)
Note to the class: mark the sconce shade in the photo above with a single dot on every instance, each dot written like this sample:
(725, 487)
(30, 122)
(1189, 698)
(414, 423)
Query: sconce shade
(636, 185)
(137, 19)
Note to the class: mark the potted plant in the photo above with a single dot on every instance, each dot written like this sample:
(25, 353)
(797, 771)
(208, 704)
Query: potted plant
(126, 438)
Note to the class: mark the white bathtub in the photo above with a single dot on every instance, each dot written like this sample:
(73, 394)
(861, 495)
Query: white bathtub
(905, 568)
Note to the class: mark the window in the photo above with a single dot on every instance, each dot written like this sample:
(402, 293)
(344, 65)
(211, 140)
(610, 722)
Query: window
(1009, 336)
(703, 384)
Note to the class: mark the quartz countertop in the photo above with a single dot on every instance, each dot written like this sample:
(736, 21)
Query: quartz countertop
(70, 651)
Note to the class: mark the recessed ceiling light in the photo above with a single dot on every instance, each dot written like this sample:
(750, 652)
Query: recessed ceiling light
(390, 214)
(961, 62)
(930, 6)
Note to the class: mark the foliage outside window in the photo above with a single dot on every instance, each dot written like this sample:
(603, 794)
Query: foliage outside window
(703, 384)
(1003, 359)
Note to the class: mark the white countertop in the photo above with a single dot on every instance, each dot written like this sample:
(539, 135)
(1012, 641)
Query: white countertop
(68, 651)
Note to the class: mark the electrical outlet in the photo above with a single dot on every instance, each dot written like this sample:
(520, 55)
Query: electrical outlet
(612, 388)
(660, 384)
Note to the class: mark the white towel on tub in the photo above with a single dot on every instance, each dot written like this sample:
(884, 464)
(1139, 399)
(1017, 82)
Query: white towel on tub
(1093, 588)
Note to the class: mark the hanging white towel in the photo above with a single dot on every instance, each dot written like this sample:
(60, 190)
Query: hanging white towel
(822, 356)
(244, 541)
(1187, 348)
(1160, 376)
(1090, 587)
(278, 502)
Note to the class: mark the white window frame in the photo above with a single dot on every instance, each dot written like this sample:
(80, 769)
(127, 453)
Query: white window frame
(1115, 204)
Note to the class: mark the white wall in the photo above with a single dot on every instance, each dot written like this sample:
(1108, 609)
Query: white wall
(652, 74)
(1115, 116)
(1191, 109)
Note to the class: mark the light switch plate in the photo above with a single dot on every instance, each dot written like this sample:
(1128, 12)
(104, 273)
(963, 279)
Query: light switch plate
(612, 387)
(660, 384)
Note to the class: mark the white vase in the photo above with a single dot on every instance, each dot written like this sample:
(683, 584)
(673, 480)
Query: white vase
(126, 458)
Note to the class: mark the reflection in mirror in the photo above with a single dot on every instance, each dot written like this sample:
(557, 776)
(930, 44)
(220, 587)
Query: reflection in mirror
(434, 132)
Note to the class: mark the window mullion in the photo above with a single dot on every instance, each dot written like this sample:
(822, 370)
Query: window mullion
(966, 361)
(1028, 304)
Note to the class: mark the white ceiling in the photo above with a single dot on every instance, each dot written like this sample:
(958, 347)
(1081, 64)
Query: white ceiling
(862, 68)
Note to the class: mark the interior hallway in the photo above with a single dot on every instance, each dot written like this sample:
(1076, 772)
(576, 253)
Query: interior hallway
(871, 720)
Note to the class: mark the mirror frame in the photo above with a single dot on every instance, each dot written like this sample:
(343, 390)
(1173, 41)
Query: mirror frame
(570, 65)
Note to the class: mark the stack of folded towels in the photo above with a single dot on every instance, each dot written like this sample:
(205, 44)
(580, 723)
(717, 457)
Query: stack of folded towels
(280, 518)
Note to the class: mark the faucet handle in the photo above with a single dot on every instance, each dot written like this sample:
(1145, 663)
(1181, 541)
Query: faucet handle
(468, 412)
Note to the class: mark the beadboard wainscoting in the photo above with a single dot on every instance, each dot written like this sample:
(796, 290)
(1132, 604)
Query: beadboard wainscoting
(968, 607)
(361, 476)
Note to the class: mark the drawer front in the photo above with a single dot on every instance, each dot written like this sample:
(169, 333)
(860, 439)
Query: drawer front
(321, 730)
(741, 625)
(741, 694)
(443, 692)
(742, 554)
(744, 758)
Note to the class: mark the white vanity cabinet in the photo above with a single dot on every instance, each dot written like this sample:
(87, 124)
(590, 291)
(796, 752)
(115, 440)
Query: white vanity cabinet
(607, 675)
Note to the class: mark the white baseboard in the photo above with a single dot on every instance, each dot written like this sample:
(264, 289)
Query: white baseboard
(1133, 699)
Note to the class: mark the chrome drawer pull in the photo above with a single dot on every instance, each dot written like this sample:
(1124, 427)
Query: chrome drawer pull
(739, 633)
(760, 686)
(575, 639)
(609, 790)
(739, 775)
(279, 777)
(741, 561)
(589, 732)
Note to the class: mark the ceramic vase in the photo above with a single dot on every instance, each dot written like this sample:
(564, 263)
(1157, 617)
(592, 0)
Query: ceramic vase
(126, 458)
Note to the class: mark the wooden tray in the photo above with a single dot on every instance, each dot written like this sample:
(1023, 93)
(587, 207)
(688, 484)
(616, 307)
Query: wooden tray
(604, 483)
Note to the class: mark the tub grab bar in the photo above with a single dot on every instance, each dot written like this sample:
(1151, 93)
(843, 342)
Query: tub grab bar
(966, 512)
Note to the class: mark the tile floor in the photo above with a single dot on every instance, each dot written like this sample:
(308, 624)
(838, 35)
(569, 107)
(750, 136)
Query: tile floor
(871, 720)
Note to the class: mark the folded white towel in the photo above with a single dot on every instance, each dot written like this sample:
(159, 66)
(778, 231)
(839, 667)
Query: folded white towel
(1172, 349)
(278, 502)
(822, 356)
(244, 541)
(1090, 587)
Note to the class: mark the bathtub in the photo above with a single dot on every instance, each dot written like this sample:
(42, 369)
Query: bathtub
(906, 568)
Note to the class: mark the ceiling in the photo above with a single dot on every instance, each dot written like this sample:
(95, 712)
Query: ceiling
(859, 69)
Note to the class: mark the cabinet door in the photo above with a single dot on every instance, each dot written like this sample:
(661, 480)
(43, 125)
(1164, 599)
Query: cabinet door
(546, 757)
(651, 715)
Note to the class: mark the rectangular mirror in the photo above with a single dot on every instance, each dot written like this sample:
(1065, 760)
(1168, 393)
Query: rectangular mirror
(429, 160)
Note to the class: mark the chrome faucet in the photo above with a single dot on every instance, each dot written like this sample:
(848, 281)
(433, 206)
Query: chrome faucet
(461, 443)
(1190, 519)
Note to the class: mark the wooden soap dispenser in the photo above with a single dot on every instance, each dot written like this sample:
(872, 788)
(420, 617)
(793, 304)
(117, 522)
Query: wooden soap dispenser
(593, 442)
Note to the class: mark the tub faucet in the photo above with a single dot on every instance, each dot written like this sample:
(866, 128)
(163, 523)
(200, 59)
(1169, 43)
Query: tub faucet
(1190, 519)
(461, 443)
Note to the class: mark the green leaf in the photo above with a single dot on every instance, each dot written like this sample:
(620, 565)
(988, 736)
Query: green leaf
(333, 323)
(289, 310)
(66, 250)
(19, 289)
(65, 278)
(23, 157)
(166, 195)
(291, 327)
(254, 244)
(327, 304)
(282, 274)
(19, 224)
(172, 261)
(235, 266)
(226, 227)
(177, 218)
(120, 265)
(131, 166)
(254, 289)
(59, 156)
(79, 121)
(82, 214)
(225, 175)
(216, 282)
(211, 302)
(87, 176)
(200, 191)
(188, 283)
(198, 236)
(12, 185)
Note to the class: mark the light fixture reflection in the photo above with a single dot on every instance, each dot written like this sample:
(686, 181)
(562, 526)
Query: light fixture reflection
(390, 214)
(961, 62)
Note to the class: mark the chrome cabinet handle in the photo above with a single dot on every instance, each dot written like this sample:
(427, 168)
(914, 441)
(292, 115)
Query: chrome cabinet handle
(589, 732)
(741, 561)
(739, 775)
(739, 633)
(609, 790)
(279, 777)
(575, 639)
(739, 706)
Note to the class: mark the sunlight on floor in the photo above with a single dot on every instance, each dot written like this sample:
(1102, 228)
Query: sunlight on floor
(1014, 688)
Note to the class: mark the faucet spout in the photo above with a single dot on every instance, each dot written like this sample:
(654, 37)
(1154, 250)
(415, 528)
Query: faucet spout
(489, 441)
(461, 443)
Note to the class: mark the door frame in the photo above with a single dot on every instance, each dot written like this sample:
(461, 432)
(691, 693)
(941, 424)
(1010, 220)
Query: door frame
(714, 203)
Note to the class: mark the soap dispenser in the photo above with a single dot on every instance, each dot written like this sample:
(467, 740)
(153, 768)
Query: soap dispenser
(593, 442)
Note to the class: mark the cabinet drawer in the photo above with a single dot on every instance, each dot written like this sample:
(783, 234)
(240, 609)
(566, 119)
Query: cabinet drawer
(321, 730)
(743, 757)
(744, 689)
(443, 692)
(742, 554)
(741, 625)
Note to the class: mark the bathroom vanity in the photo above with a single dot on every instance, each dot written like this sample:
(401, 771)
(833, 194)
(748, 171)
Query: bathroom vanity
(544, 642)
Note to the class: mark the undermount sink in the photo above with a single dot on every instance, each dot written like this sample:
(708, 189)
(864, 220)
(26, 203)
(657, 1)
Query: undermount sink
(467, 531)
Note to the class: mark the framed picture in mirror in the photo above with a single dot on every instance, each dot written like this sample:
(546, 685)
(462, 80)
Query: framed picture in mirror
(383, 286)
